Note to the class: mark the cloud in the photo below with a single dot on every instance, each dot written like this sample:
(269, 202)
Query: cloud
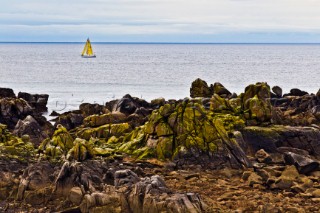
(157, 17)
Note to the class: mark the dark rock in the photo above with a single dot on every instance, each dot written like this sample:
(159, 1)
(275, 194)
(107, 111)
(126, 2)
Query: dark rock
(219, 89)
(296, 92)
(278, 91)
(69, 120)
(29, 126)
(128, 104)
(157, 103)
(12, 110)
(7, 93)
(272, 137)
(233, 95)
(304, 164)
(38, 102)
(54, 113)
(200, 88)
(92, 109)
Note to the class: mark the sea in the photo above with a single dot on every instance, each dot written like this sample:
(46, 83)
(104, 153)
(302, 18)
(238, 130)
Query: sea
(151, 71)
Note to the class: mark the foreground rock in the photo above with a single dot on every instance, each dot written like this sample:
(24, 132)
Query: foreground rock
(86, 188)
(219, 152)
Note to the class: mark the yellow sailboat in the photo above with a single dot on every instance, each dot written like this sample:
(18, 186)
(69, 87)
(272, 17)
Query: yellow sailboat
(87, 50)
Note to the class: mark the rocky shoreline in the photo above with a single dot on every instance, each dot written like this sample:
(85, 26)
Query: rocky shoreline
(217, 151)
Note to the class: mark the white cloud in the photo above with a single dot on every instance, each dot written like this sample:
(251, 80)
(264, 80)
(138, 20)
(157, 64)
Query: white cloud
(158, 17)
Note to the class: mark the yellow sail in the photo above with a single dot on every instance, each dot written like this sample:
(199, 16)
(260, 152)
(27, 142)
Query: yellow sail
(87, 50)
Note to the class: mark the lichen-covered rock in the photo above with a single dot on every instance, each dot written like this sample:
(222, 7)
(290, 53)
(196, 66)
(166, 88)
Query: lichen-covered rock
(220, 90)
(218, 104)
(60, 143)
(110, 118)
(256, 104)
(105, 131)
(14, 147)
(81, 150)
(200, 88)
(187, 133)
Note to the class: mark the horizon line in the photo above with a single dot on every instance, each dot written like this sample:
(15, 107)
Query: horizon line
(116, 42)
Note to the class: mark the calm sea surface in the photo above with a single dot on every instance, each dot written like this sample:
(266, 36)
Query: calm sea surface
(151, 70)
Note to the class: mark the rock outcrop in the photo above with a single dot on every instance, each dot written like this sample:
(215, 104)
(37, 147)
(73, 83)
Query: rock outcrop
(38, 102)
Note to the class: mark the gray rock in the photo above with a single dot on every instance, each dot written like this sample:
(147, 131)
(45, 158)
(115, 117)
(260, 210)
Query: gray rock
(304, 164)
(277, 90)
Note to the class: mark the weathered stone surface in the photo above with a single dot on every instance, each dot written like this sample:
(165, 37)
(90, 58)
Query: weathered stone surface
(69, 120)
(256, 103)
(76, 195)
(188, 134)
(220, 90)
(12, 110)
(200, 88)
(29, 126)
(270, 138)
(304, 164)
(92, 109)
(263, 157)
(38, 102)
(287, 178)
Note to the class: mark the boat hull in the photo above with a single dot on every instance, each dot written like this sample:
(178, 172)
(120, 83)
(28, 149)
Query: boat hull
(88, 56)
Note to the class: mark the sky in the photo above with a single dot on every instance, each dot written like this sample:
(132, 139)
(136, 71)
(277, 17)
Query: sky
(206, 21)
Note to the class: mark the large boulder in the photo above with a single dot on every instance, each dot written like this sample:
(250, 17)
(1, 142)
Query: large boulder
(29, 126)
(304, 164)
(272, 137)
(92, 109)
(37, 101)
(296, 92)
(12, 110)
(70, 120)
(7, 93)
(277, 90)
(256, 103)
(128, 104)
(200, 88)
(188, 134)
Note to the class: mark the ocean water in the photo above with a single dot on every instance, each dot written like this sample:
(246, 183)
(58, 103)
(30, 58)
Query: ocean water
(151, 70)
